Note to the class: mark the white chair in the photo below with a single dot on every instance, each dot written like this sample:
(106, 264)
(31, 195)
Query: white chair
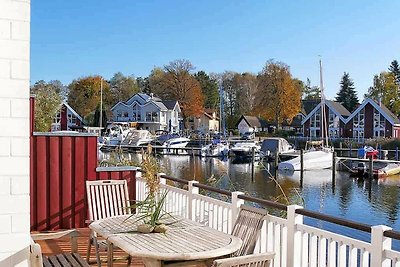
(258, 260)
(60, 260)
(106, 198)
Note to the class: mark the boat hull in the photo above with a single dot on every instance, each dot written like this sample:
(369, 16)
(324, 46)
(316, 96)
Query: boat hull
(312, 160)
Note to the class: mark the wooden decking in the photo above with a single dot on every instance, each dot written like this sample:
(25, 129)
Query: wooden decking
(50, 247)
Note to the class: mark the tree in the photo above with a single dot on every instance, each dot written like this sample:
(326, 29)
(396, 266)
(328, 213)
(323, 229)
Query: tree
(385, 90)
(84, 94)
(180, 85)
(47, 104)
(229, 87)
(209, 88)
(246, 86)
(143, 84)
(395, 70)
(347, 95)
(123, 87)
(278, 98)
(156, 81)
(311, 92)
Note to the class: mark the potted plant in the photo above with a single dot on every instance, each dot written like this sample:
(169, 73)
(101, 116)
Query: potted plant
(151, 209)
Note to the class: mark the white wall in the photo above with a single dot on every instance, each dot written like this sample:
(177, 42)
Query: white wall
(14, 135)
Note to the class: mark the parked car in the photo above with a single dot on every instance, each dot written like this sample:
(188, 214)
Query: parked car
(247, 136)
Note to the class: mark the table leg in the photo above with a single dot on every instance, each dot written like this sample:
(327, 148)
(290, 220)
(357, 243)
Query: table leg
(151, 262)
(110, 254)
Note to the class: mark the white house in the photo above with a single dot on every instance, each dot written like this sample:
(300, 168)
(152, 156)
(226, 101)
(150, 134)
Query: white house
(251, 124)
(206, 122)
(149, 113)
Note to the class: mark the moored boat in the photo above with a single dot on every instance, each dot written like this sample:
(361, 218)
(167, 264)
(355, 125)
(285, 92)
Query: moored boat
(388, 170)
(245, 149)
(219, 149)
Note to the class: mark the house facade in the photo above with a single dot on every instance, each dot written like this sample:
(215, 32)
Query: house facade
(372, 120)
(66, 119)
(251, 124)
(207, 122)
(149, 113)
(335, 117)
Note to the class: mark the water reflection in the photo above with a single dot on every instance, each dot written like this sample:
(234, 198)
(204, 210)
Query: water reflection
(371, 202)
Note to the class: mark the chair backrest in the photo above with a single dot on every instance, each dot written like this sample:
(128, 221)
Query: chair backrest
(107, 198)
(247, 227)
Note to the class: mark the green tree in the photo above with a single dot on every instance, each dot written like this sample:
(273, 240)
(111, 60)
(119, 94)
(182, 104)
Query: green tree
(311, 92)
(47, 104)
(123, 87)
(347, 95)
(156, 84)
(209, 87)
(395, 70)
(143, 84)
(278, 97)
(84, 95)
(385, 90)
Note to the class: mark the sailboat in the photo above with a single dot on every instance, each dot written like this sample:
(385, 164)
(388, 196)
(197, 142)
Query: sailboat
(319, 155)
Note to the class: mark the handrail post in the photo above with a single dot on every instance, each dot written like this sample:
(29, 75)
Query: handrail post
(163, 181)
(193, 190)
(293, 236)
(236, 203)
(379, 244)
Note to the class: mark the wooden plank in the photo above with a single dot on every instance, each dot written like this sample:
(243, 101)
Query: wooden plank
(66, 182)
(63, 261)
(79, 182)
(41, 183)
(55, 180)
(54, 261)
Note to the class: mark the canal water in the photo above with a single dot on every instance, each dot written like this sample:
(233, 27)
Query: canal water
(370, 202)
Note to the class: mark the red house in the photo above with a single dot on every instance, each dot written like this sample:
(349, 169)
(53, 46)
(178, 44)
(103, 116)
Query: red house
(372, 120)
(336, 118)
(67, 119)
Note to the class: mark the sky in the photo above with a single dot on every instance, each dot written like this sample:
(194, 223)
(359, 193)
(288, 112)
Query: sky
(72, 39)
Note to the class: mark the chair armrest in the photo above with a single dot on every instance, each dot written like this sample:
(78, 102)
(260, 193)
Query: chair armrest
(54, 235)
(73, 234)
(253, 259)
(35, 255)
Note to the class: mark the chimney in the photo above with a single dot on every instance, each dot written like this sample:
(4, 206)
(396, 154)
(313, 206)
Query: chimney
(151, 95)
(380, 101)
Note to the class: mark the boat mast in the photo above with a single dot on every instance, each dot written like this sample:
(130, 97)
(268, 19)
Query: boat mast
(324, 131)
(101, 104)
(221, 110)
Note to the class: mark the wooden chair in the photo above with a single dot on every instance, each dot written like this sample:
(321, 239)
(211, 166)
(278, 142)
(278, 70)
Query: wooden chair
(248, 227)
(60, 260)
(106, 198)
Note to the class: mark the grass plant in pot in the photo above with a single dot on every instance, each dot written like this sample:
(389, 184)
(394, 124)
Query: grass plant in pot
(151, 210)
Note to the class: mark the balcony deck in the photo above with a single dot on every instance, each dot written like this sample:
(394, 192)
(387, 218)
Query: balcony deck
(51, 247)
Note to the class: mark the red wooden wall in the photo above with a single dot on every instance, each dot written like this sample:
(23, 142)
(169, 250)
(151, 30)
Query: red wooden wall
(60, 165)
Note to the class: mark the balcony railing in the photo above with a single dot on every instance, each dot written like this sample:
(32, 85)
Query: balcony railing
(295, 243)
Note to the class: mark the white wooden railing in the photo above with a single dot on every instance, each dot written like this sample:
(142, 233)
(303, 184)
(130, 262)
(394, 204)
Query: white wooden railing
(294, 243)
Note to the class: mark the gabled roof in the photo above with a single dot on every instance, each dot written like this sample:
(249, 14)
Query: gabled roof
(393, 119)
(170, 104)
(308, 105)
(158, 104)
(72, 111)
(253, 121)
(336, 107)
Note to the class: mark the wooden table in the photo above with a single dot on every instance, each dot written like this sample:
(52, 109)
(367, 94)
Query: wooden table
(184, 240)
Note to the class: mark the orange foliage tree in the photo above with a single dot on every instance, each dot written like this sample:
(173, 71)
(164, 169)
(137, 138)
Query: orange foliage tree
(278, 96)
(179, 84)
(84, 94)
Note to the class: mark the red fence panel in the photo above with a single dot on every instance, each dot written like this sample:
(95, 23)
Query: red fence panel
(60, 166)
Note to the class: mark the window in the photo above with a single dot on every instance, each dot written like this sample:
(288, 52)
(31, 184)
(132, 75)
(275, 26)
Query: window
(379, 124)
(126, 115)
(119, 113)
(57, 119)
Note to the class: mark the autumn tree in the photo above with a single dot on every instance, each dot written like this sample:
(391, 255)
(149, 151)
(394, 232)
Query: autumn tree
(385, 90)
(246, 86)
(209, 88)
(157, 82)
(123, 87)
(347, 95)
(311, 92)
(47, 103)
(278, 97)
(84, 95)
(180, 85)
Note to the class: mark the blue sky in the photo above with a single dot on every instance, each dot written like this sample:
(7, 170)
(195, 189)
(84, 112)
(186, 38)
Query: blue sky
(71, 39)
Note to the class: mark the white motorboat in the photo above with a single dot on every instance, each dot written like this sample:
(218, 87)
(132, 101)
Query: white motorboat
(171, 141)
(319, 156)
(115, 133)
(312, 160)
(245, 149)
(219, 149)
(136, 138)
